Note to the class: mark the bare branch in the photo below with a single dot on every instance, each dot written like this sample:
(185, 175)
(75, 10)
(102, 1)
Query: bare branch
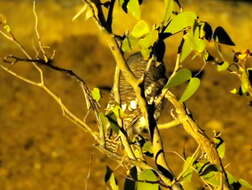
(20, 77)
(198, 134)
(12, 38)
(37, 33)
(168, 125)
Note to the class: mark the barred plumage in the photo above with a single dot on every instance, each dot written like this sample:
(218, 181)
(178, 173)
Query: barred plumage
(153, 83)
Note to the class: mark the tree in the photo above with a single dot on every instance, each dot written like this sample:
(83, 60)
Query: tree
(149, 43)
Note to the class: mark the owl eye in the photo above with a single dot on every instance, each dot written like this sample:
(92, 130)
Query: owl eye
(133, 105)
(124, 107)
(148, 91)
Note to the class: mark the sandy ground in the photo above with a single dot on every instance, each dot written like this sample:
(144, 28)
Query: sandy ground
(39, 149)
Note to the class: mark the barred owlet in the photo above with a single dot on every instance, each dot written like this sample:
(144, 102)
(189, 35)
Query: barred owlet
(154, 81)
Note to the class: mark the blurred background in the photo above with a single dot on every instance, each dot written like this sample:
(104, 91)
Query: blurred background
(40, 149)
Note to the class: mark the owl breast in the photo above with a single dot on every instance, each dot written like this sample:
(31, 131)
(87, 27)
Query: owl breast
(153, 83)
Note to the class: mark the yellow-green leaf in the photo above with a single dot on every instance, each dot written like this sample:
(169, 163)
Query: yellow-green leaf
(147, 147)
(149, 39)
(181, 21)
(89, 13)
(190, 89)
(180, 77)
(103, 119)
(121, 2)
(112, 182)
(147, 175)
(198, 43)
(110, 179)
(187, 48)
(7, 28)
(96, 94)
(188, 169)
(140, 29)
(220, 146)
(169, 6)
(145, 53)
(244, 183)
(133, 7)
(129, 43)
(192, 43)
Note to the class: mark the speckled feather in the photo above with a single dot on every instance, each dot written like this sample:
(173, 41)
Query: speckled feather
(154, 81)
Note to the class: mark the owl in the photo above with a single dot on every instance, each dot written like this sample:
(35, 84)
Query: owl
(154, 80)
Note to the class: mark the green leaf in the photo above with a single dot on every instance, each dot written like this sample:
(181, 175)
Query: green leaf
(210, 174)
(134, 8)
(213, 178)
(149, 39)
(140, 29)
(89, 13)
(113, 114)
(112, 119)
(130, 184)
(146, 53)
(224, 66)
(198, 43)
(192, 42)
(180, 77)
(169, 6)
(190, 89)
(129, 43)
(147, 147)
(188, 169)
(187, 49)
(104, 120)
(180, 22)
(121, 2)
(147, 175)
(110, 179)
(231, 178)
(244, 183)
(113, 183)
(95, 93)
(220, 144)
(7, 28)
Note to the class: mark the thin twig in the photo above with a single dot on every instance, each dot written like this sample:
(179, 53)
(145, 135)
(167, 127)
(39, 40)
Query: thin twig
(37, 33)
(12, 38)
(168, 125)
(181, 157)
(89, 171)
(20, 77)
(199, 135)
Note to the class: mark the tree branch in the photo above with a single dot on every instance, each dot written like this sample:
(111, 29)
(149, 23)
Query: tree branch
(199, 135)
